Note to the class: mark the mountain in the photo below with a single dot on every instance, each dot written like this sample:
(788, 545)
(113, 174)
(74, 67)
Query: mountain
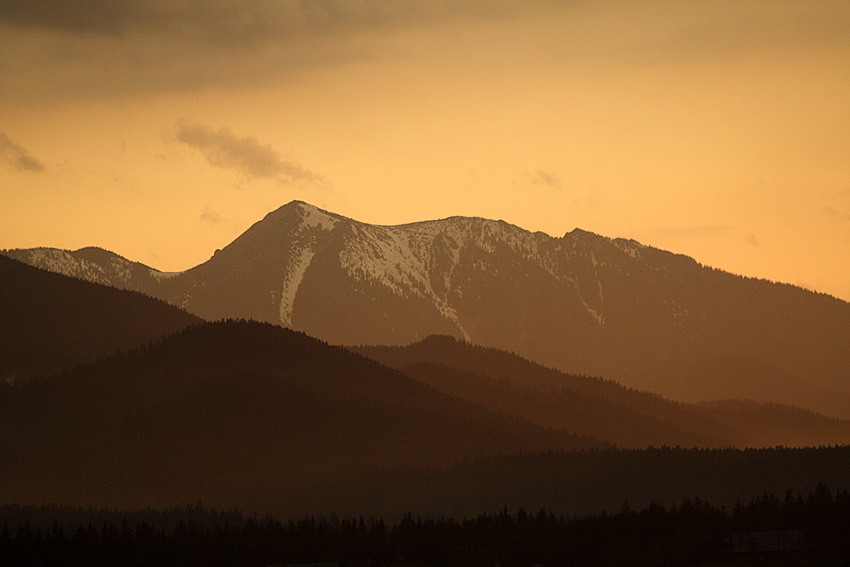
(50, 322)
(582, 303)
(237, 413)
(92, 264)
(602, 409)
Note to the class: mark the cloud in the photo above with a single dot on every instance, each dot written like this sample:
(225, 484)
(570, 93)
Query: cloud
(210, 216)
(18, 156)
(834, 214)
(233, 22)
(689, 34)
(545, 178)
(223, 148)
(96, 48)
(549, 181)
(214, 21)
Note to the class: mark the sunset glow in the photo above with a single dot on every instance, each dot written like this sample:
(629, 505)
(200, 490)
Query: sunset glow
(161, 132)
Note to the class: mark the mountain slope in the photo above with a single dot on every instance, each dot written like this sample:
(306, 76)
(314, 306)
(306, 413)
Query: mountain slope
(50, 322)
(94, 265)
(236, 413)
(581, 303)
(601, 408)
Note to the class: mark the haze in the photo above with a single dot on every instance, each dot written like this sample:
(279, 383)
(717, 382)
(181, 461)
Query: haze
(162, 131)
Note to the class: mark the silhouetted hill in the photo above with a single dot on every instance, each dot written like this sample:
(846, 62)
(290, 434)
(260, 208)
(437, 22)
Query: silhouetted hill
(50, 322)
(601, 408)
(236, 413)
(582, 303)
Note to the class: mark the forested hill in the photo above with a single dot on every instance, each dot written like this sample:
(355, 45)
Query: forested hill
(50, 322)
(236, 413)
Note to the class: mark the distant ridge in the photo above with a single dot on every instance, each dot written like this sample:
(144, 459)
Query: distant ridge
(582, 303)
(599, 408)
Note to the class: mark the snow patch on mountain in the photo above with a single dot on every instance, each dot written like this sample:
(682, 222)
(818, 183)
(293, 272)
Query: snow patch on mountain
(313, 217)
(420, 259)
(402, 257)
(383, 254)
(630, 247)
(163, 275)
(596, 313)
(292, 281)
(121, 269)
(63, 262)
(398, 258)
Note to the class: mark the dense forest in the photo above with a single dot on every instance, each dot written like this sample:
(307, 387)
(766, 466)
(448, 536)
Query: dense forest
(583, 482)
(788, 529)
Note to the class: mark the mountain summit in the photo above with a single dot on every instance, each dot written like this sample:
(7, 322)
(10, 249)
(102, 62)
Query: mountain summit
(583, 303)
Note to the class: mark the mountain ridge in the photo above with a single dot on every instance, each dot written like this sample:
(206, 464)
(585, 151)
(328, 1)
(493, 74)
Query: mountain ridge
(582, 303)
(604, 409)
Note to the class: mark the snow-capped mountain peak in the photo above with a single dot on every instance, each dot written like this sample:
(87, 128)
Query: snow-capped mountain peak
(583, 302)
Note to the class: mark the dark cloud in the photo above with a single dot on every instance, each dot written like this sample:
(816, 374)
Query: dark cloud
(105, 48)
(212, 21)
(223, 148)
(18, 156)
(236, 21)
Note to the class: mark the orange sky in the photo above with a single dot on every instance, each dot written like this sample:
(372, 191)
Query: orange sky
(161, 131)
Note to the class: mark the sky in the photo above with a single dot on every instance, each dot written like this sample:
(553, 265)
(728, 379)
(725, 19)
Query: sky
(161, 130)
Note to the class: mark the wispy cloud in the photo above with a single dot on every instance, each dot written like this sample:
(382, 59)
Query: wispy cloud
(549, 181)
(210, 216)
(834, 213)
(244, 154)
(544, 179)
(18, 156)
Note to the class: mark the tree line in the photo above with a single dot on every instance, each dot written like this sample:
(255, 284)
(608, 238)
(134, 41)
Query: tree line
(692, 531)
